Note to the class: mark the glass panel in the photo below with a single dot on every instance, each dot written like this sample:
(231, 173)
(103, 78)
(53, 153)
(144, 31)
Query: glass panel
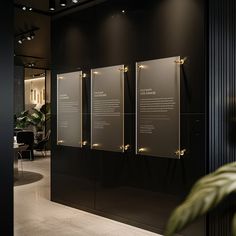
(69, 109)
(158, 107)
(107, 118)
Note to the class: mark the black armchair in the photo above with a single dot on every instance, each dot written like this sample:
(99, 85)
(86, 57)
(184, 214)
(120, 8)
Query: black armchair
(41, 145)
(26, 137)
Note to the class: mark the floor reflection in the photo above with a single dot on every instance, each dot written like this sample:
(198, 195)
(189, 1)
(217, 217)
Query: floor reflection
(36, 215)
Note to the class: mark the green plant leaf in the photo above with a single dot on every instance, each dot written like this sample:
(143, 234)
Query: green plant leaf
(206, 194)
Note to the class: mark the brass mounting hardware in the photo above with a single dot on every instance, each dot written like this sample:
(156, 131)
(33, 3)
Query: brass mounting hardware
(127, 147)
(84, 143)
(95, 145)
(59, 142)
(181, 61)
(140, 66)
(180, 152)
(142, 150)
(125, 70)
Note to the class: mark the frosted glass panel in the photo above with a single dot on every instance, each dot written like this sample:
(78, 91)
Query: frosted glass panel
(69, 109)
(158, 107)
(107, 118)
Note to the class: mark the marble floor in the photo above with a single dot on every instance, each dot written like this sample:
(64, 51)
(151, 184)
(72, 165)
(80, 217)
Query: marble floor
(35, 215)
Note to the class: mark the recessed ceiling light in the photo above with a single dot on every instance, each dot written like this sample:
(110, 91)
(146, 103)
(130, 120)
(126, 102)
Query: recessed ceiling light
(75, 1)
(52, 5)
(63, 3)
(123, 11)
(24, 8)
(30, 9)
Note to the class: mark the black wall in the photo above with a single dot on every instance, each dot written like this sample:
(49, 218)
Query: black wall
(135, 189)
(19, 87)
(6, 118)
(222, 103)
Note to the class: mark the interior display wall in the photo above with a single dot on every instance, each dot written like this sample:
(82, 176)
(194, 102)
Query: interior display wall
(138, 190)
(222, 103)
(34, 90)
(6, 118)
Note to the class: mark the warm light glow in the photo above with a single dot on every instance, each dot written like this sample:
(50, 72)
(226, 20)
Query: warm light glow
(36, 79)
(141, 66)
(142, 150)
(96, 145)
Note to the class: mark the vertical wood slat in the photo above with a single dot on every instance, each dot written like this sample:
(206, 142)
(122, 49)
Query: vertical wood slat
(222, 100)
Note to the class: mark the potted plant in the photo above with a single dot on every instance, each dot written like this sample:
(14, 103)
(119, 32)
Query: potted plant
(21, 121)
(205, 195)
(38, 119)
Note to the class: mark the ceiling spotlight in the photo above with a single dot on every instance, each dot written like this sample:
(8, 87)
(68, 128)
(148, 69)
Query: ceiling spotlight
(75, 1)
(63, 3)
(52, 5)
(123, 11)
(31, 64)
(32, 35)
(21, 40)
(24, 8)
(30, 9)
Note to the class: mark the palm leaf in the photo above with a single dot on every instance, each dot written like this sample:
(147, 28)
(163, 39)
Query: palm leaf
(206, 194)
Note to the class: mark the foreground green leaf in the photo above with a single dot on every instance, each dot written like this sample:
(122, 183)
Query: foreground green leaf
(206, 194)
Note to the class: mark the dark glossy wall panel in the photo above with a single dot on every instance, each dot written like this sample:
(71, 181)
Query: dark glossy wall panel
(19, 84)
(6, 118)
(134, 189)
(222, 104)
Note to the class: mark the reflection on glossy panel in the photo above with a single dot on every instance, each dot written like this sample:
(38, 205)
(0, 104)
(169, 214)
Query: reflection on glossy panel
(107, 102)
(158, 107)
(69, 109)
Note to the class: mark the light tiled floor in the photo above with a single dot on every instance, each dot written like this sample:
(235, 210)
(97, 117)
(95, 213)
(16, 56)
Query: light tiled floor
(35, 215)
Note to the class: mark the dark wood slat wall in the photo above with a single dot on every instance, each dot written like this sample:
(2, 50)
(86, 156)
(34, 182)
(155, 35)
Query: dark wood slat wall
(222, 103)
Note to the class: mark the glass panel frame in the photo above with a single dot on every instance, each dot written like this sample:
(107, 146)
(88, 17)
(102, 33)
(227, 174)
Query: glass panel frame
(107, 108)
(70, 109)
(158, 108)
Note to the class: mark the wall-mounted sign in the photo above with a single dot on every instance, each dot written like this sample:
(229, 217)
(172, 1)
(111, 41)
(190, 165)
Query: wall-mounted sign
(107, 105)
(69, 109)
(158, 107)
